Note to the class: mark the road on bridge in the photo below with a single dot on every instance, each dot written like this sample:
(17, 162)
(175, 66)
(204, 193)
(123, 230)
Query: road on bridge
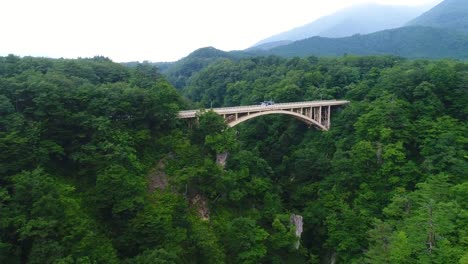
(260, 108)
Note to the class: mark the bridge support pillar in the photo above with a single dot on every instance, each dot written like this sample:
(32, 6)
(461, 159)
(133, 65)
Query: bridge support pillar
(320, 115)
(317, 113)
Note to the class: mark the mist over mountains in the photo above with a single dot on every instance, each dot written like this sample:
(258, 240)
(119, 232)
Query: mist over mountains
(361, 19)
(449, 14)
(441, 32)
(408, 42)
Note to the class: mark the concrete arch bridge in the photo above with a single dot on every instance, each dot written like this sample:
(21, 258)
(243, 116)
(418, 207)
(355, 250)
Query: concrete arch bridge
(313, 113)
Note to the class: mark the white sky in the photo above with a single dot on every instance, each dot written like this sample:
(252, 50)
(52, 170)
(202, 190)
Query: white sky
(154, 30)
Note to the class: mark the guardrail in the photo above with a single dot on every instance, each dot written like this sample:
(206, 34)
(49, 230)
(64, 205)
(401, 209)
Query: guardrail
(249, 108)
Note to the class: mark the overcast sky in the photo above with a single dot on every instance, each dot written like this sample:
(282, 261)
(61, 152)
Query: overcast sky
(154, 30)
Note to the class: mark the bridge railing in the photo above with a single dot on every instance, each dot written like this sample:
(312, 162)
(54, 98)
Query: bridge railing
(247, 108)
(259, 106)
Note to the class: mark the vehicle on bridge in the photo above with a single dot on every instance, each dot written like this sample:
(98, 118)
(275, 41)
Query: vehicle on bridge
(267, 103)
(316, 113)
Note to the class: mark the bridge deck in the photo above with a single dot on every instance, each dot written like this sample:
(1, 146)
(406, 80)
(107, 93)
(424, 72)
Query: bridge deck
(259, 108)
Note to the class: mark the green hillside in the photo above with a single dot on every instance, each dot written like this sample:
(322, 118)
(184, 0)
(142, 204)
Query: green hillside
(409, 42)
(450, 14)
(180, 71)
(96, 168)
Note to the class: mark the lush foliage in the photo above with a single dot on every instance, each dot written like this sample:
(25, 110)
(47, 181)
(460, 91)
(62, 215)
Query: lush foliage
(391, 171)
(179, 72)
(95, 168)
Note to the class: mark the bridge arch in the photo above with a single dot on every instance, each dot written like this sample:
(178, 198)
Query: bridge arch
(301, 117)
(313, 113)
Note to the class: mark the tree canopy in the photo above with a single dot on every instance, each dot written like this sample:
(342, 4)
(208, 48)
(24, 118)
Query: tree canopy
(96, 168)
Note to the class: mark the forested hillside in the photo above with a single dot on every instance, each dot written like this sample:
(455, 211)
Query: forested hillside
(95, 168)
(180, 71)
(450, 14)
(439, 33)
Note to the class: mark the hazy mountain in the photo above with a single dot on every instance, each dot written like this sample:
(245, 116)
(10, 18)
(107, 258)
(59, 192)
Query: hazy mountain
(270, 45)
(180, 71)
(409, 42)
(450, 14)
(432, 40)
(361, 19)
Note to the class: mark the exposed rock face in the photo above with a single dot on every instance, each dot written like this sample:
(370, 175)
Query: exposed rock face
(296, 221)
(201, 206)
(333, 258)
(157, 177)
(221, 158)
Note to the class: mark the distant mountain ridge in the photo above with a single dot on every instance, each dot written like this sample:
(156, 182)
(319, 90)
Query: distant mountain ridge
(449, 14)
(361, 19)
(180, 71)
(441, 32)
(270, 45)
(409, 42)
(445, 41)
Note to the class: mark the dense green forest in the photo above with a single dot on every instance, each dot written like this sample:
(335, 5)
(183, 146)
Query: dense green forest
(95, 167)
(180, 71)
